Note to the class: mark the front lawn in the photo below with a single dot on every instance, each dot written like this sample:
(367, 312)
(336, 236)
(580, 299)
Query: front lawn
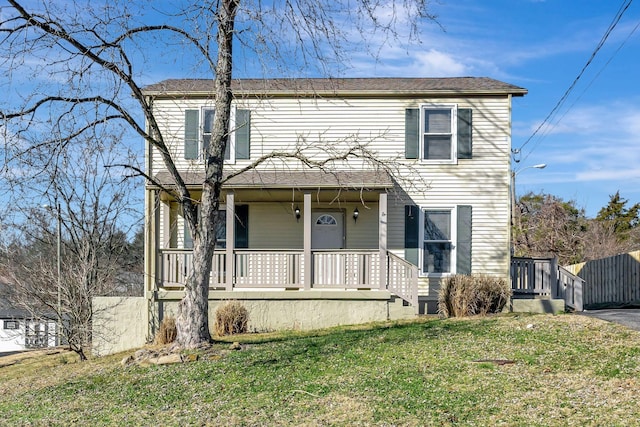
(504, 370)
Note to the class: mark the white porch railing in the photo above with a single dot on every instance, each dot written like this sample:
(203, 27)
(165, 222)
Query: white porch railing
(265, 268)
(402, 279)
(175, 265)
(335, 269)
(346, 269)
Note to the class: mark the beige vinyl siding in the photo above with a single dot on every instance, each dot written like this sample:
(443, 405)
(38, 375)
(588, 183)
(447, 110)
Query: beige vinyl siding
(283, 124)
(273, 226)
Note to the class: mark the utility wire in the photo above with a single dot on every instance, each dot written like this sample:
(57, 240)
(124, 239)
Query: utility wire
(623, 8)
(550, 127)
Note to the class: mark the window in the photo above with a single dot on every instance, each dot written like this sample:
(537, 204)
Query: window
(326, 220)
(241, 229)
(437, 242)
(11, 324)
(197, 138)
(221, 231)
(438, 133)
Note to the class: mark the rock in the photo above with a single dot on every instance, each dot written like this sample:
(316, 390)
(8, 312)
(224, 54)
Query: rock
(235, 346)
(190, 357)
(127, 360)
(167, 360)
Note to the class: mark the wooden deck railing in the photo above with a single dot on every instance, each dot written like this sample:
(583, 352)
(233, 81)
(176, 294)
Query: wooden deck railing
(543, 277)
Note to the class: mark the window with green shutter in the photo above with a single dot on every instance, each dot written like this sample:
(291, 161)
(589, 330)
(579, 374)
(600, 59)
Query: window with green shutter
(438, 240)
(440, 133)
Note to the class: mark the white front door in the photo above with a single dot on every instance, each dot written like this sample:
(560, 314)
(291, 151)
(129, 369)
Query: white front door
(327, 230)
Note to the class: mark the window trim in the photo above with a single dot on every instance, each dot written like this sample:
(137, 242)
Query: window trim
(453, 238)
(454, 133)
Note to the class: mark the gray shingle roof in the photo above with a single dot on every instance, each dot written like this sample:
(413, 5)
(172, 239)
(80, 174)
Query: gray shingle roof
(339, 87)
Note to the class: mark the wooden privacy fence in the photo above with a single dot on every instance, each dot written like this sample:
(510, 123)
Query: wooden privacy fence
(544, 278)
(612, 281)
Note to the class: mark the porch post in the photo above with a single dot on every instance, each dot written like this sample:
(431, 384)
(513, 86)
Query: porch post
(382, 238)
(308, 261)
(231, 240)
(166, 226)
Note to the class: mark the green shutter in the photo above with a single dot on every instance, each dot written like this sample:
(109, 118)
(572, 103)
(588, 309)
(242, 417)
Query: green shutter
(411, 140)
(242, 226)
(191, 133)
(465, 132)
(463, 247)
(411, 233)
(243, 134)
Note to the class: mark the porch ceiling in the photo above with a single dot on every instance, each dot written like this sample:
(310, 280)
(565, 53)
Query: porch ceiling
(352, 180)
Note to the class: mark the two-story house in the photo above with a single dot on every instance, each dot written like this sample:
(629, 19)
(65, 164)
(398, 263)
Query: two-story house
(367, 236)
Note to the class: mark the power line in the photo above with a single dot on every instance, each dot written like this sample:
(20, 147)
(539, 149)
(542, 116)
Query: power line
(623, 8)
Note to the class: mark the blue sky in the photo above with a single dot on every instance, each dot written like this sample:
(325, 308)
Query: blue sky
(592, 148)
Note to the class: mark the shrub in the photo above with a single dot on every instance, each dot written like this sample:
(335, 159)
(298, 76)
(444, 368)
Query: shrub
(167, 332)
(231, 318)
(462, 295)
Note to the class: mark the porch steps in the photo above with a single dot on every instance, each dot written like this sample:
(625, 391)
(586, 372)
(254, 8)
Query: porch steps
(399, 309)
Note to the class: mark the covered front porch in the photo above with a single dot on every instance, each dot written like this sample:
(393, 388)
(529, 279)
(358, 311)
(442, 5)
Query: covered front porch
(305, 231)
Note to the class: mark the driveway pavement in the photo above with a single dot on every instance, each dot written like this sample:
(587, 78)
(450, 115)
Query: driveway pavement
(629, 317)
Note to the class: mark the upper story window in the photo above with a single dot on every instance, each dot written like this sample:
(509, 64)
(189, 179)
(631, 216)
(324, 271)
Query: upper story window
(440, 133)
(198, 128)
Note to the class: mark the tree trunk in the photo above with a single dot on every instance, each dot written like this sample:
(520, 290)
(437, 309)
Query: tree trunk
(192, 322)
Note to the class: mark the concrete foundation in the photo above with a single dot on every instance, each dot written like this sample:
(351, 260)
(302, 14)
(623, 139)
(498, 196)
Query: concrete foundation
(294, 310)
(537, 305)
(125, 323)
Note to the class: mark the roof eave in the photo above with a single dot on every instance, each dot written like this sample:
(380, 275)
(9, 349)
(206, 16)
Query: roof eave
(337, 93)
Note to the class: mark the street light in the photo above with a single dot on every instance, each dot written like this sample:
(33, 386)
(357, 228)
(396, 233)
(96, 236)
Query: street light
(58, 257)
(513, 186)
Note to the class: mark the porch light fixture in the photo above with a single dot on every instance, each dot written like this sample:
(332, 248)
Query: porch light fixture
(297, 212)
(356, 214)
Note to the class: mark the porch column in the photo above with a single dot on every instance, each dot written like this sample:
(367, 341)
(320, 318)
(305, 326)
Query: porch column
(308, 261)
(231, 240)
(382, 238)
(166, 225)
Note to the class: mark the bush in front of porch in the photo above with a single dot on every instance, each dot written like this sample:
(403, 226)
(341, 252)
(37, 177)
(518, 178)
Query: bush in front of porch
(467, 295)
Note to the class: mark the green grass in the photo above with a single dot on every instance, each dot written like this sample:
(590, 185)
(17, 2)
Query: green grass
(568, 370)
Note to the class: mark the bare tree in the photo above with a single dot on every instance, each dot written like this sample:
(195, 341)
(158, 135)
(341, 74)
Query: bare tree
(97, 54)
(73, 248)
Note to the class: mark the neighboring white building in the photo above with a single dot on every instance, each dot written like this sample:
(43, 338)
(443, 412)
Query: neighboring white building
(310, 248)
(19, 330)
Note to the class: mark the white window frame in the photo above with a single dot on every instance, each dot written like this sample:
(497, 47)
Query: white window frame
(454, 132)
(452, 239)
(232, 137)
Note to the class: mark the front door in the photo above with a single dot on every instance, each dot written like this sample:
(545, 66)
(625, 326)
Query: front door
(327, 230)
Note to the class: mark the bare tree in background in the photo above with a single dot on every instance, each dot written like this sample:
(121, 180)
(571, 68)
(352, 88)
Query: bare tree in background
(97, 55)
(88, 203)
